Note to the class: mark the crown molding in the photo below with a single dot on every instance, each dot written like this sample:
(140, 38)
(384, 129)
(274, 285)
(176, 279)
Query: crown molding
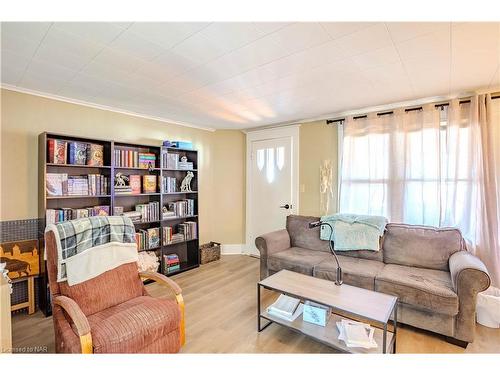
(101, 107)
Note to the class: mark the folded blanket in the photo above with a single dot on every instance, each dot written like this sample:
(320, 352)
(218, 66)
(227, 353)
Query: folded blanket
(354, 232)
(91, 246)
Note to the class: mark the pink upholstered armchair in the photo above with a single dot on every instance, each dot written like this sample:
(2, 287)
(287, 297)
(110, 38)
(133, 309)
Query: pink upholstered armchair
(113, 313)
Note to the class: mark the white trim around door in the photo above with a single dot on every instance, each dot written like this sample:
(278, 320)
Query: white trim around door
(291, 131)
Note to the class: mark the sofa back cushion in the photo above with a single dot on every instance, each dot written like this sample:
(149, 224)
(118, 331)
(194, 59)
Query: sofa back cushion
(302, 236)
(421, 246)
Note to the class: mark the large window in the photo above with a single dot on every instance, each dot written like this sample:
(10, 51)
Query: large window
(412, 167)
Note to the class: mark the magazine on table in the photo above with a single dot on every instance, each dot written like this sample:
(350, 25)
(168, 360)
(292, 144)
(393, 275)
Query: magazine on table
(356, 334)
(286, 307)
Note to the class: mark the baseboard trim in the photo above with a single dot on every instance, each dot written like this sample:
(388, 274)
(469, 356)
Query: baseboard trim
(232, 249)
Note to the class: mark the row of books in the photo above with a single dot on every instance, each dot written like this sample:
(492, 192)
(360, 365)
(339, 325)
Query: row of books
(188, 229)
(147, 238)
(181, 208)
(60, 184)
(75, 153)
(171, 161)
(134, 159)
(168, 184)
(53, 216)
(149, 211)
(137, 184)
(172, 263)
(169, 237)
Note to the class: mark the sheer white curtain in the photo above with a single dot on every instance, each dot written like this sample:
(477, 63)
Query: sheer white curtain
(425, 167)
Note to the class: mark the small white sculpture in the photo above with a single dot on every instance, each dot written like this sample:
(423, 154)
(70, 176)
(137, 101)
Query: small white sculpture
(186, 182)
(121, 180)
(184, 159)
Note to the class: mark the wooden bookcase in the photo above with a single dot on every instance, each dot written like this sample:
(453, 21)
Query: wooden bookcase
(188, 251)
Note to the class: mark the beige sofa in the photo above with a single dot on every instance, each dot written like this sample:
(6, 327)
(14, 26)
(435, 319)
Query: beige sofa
(429, 269)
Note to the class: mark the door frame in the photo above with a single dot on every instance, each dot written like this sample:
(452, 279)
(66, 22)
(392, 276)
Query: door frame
(290, 131)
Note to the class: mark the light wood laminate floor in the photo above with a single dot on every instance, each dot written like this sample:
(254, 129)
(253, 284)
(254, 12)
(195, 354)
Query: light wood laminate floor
(221, 318)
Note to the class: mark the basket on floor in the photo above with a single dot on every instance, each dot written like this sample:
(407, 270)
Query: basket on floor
(209, 252)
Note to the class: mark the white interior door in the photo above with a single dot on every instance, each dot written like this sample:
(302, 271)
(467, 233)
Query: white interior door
(272, 186)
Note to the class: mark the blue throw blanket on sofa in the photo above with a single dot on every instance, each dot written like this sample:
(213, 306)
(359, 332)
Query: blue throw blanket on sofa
(354, 232)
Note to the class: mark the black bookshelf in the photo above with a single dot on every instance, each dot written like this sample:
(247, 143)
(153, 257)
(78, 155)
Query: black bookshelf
(188, 251)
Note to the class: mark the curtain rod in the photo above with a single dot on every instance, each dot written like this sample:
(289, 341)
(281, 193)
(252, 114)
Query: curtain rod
(439, 105)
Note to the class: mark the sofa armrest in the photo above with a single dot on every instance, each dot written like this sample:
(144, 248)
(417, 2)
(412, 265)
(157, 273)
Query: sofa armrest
(271, 243)
(469, 277)
(467, 271)
(79, 320)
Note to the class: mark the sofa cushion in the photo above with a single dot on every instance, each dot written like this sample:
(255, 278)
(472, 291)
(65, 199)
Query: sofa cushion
(296, 259)
(421, 246)
(134, 325)
(419, 287)
(302, 236)
(355, 271)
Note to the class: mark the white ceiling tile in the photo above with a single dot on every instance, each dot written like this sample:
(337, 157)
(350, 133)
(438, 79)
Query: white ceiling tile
(270, 27)
(62, 48)
(117, 59)
(231, 35)
(21, 46)
(299, 36)
(199, 48)
(137, 46)
(435, 46)
(50, 70)
(379, 57)
(365, 40)
(167, 34)
(173, 63)
(41, 82)
(11, 75)
(339, 29)
(97, 32)
(401, 31)
(12, 60)
(27, 30)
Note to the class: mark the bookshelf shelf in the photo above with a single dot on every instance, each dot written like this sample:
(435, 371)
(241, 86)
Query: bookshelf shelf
(77, 196)
(137, 169)
(151, 249)
(117, 195)
(173, 218)
(78, 166)
(178, 243)
(179, 170)
(180, 192)
(113, 154)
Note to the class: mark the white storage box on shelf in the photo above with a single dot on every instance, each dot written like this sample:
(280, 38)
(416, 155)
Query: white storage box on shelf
(488, 308)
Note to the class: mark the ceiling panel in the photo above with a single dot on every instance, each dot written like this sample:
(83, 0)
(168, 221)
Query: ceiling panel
(242, 75)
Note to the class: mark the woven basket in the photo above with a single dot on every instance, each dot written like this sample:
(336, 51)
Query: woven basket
(209, 252)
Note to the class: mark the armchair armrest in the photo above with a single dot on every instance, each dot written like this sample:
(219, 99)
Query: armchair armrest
(79, 320)
(469, 277)
(269, 244)
(164, 280)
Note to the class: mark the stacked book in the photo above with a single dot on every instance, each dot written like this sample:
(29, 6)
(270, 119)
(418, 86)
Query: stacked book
(134, 159)
(170, 160)
(149, 211)
(356, 334)
(134, 216)
(188, 230)
(60, 184)
(123, 190)
(74, 153)
(181, 208)
(147, 238)
(53, 216)
(286, 308)
(172, 263)
(169, 237)
(186, 165)
(168, 184)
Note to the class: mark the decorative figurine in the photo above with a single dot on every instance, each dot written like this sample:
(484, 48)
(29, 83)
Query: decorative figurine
(184, 159)
(121, 180)
(186, 182)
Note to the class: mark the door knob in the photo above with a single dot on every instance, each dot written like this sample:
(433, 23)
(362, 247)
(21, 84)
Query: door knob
(286, 206)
